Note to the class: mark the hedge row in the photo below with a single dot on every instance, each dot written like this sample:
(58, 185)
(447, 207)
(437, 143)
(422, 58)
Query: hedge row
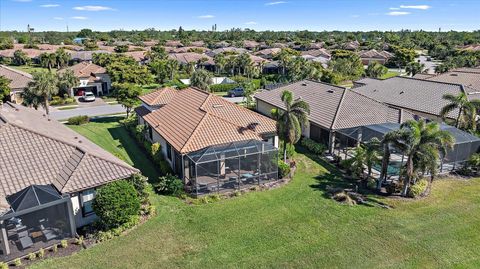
(223, 87)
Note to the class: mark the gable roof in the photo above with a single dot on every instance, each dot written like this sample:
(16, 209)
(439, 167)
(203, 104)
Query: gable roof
(159, 97)
(37, 151)
(334, 107)
(85, 69)
(189, 57)
(194, 119)
(413, 94)
(18, 80)
(375, 54)
(468, 77)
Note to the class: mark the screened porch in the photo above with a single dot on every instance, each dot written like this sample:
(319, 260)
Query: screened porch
(229, 167)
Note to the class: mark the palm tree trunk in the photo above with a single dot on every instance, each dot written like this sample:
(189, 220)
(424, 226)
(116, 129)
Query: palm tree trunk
(384, 171)
(285, 152)
(406, 183)
(47, 109)
(458, 118)
(429, 186)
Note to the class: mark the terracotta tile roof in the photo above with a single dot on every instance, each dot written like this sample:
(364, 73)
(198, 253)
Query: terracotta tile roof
(334, 107)
(195, 119)
(227, 49)
(173, 43)
(137, 55)
(318, 53)
(18, 79)
(159, 97)
(190, 57)
(268, 52)
(34, 150)
(375, 54)
(85, 69)
(198, 43)
(413, 94)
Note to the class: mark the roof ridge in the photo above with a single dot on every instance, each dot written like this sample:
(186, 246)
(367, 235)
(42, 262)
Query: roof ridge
(25, 74)
(338, 109)
(433, 81)
(189, 140)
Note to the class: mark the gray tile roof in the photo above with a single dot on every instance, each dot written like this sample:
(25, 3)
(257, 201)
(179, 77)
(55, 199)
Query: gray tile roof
(468, 77)
(334, 107)
(34, 150)
(413, 94)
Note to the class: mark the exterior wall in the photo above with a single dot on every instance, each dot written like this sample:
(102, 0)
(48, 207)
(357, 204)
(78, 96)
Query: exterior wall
(77, 212)
(157, 138)
(105, 78)
(264, 108)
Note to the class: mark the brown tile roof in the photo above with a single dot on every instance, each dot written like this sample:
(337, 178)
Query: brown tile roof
(268, 52)
(85, 69)
(375, 54)
(334, 107)
(195, 119)
(413, 94)
(18, 79)
(317, 53)
(173, 43)
(190, 57)
(34, 150)
(159, 97)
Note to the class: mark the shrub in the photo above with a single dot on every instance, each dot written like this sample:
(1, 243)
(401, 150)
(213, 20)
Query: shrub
(79, 241)
(223, 87)
(64, 243)
(290, 150)
(343, 197)
(140, 184)
(313, 146)
(393, 188)
(32, 256)
(165, 168)
(17, 262)
(156, 151)
(78, 120)
(283, 169)
(215, 197)
(115, 203)
(3, 265)
(41, 253)
(55, 248)
(169, 184)
(418, 188)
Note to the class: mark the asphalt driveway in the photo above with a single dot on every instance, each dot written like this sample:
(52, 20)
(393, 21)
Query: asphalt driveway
(91, 111)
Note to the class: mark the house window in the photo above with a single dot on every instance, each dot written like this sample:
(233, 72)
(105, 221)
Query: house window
(86, 201)
(169, 152)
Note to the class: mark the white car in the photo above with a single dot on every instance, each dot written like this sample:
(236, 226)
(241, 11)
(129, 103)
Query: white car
(88, 97)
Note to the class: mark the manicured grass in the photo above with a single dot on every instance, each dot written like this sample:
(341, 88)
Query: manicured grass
(295, 226)
(31, 68)
(113, 137)
(67, 107)
(390, 74)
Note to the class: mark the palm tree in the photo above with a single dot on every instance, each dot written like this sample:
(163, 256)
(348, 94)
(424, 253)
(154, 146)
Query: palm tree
(292, 119)
(220, 62)
(201, 79)
(414, 68)
(62, 58)
(372, 156)
(386, 142)
(66, 81)
(418, 140)
(173, 66)
(43, 86)
(467, 113)
(48, 60)
(30, 99)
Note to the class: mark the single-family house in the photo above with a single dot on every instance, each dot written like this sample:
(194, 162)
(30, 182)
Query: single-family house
(48, 177)
(18, 82)
(93, 78)
(332, 109)
(268, 53)
(212, 144)
(372, 55)
(469, 78)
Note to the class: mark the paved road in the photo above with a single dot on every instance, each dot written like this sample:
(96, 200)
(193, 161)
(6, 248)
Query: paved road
(234, 99)
(89, 111)
(429, 65)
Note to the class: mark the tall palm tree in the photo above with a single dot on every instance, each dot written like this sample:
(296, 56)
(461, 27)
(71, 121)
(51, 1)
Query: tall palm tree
(467, 113)
(201, 79)
(418, 140)
(48, 60)
(372, 156)
(66, 81)
(414, 68)
(62, 58)
(386, 142)
(220, 62)
(43, 86)
(173, 66)
(292, 119)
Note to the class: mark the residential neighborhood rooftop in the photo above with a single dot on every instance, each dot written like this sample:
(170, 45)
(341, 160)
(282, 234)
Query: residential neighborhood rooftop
(194, 119)
(85, 69)
(18, 79)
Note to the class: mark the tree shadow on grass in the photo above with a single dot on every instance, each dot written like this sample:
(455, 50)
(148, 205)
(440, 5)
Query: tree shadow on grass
(136, 153)
(334, 179)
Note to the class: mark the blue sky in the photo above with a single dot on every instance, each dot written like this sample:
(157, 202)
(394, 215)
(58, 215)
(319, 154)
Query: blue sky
(255, 14)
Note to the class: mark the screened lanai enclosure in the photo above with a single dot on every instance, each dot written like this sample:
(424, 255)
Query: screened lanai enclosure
(231, 166)
(33, 218)
(466, 144)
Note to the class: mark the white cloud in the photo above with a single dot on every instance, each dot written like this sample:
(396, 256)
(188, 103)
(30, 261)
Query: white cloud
(206, 17)
(50, 5)
(79, 18)
(394, 8)
(93, 8)
(397, 13)
(251, 23)
(422, 7)
(275, 3)
(58, 18)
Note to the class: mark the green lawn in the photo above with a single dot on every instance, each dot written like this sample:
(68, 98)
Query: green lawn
(110, 135)
(31, 68)
(292, 226)
(390, 74)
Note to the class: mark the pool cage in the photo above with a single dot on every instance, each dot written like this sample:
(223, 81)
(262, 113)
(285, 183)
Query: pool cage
(231, 166)
(465, 145)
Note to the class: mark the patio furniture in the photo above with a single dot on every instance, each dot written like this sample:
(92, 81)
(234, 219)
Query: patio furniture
(36, 236)
(25, 242)
(49, 234)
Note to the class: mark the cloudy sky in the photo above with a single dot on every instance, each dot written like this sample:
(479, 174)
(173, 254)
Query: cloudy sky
(255, 14)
